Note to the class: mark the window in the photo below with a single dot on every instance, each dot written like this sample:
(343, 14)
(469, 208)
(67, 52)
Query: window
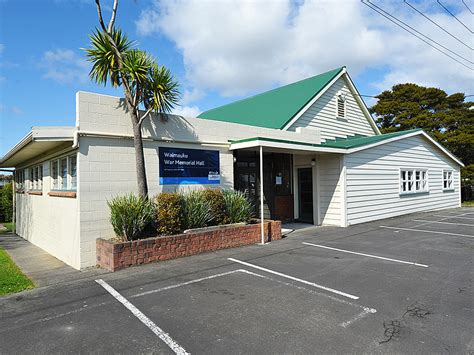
(447, 180)
(413, 181)
(72, 171)
(20, 180)
(54, 175)
(341, 106)
(35, 178)
(64, 173)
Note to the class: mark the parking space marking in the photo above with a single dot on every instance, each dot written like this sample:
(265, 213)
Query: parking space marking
(348, 295)
(173, 345)
(441, 222)
(357, 317)
(187, 283)
(367, 255)
(425, 231)
(437, 215)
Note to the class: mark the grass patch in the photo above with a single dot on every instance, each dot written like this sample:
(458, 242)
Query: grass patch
(9, 226)
(468, 203)
(11, 278)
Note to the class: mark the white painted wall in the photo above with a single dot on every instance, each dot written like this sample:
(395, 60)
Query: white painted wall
(51, 223)
(330, 185)
(373, 180)
(322, 115)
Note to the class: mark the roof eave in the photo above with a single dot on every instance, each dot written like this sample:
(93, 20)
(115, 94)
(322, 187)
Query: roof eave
(40, 134)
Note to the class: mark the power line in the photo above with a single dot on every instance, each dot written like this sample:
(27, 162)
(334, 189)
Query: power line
(435, 23)
(421, 34)
(453, 15)
(414, 34)
(467, 7)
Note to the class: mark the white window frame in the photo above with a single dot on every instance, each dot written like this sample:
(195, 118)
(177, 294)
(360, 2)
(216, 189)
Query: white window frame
(35, 177)
(340, 95)
(58, 182)
(448, 176)
(20, 180)
(414, 184)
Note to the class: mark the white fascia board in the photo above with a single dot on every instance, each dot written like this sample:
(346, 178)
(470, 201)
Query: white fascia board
(313, 100)
(282, 145)
(361, 102)
(444, 150)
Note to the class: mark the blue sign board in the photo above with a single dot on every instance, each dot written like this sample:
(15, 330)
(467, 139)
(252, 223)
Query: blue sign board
(188, 166)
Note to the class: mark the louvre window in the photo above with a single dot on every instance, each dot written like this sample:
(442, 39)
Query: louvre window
(341, 106)
(413, 181)
(447, 180)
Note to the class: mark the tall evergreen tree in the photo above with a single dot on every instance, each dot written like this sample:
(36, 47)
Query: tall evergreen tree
(448, 118)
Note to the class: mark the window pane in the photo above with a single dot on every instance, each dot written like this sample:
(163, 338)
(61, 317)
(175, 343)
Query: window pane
(54, 174)
(72, 171)
(64, 174)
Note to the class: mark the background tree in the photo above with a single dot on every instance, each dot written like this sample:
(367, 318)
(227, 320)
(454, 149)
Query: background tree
(448, 118)
(6, 201)
(145, 84)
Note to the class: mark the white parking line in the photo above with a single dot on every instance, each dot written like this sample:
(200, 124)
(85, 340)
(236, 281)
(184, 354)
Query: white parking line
(177, 349)
(437, 215)
(425, 231)
(187, 283)
(440, 222)
(295, 279)
(357, 317)
(367, 255)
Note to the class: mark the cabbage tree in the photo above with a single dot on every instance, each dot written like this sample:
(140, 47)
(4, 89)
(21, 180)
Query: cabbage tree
(148, 87)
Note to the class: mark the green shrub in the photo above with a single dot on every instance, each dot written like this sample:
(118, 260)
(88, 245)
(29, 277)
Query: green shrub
(6, 201)
(216, 201)
(130, 214)
(196, 209)
(237, 206)
(169, 214)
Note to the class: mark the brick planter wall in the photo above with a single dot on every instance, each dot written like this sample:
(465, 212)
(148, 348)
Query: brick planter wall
(115, 256)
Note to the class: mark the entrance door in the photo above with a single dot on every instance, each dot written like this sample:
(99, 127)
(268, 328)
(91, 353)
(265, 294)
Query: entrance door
(305, 191)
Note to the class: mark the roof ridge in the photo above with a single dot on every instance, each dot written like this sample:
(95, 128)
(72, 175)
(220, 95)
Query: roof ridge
(336, 70)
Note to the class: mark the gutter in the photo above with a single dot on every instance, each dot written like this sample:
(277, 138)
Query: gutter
(20, 145)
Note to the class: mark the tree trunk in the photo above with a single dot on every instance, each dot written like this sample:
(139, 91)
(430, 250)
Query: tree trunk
(139, 157)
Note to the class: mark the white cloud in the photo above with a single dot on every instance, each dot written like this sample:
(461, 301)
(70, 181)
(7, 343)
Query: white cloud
(237, 47)
(16, 110)
(187, 111)
(65, 66)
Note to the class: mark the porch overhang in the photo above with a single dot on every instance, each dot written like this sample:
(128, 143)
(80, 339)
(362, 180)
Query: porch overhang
(40, 140)
(282, 145)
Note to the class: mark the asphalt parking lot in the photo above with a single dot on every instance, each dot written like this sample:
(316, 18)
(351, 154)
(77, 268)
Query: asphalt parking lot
(401, 285)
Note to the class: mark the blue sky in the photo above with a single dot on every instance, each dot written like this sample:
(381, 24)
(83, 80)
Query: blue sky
(219, 51)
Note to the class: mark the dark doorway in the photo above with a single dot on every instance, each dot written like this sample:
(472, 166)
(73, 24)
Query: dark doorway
(305, 194)
(277, 182)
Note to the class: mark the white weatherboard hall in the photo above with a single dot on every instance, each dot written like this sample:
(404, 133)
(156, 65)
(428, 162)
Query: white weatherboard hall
(324, 162)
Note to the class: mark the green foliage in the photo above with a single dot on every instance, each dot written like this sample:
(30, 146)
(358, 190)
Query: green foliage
(216, 201)
(237, 206)
(447, 118)
(6, 201)
(130, 214)
(169, 213)
(196, 209)
(152, 85)
(103, 57)
(11, 278)
(467, 174)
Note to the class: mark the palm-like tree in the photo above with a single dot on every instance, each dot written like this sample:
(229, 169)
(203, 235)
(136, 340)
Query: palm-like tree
(145, 83)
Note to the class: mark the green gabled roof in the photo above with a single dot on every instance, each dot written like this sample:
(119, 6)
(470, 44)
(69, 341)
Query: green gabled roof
(274, 108)
(341, 143)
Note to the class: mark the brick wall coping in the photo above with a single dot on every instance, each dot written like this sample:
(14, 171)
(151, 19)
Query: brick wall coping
(113, 255)
(211, 228)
